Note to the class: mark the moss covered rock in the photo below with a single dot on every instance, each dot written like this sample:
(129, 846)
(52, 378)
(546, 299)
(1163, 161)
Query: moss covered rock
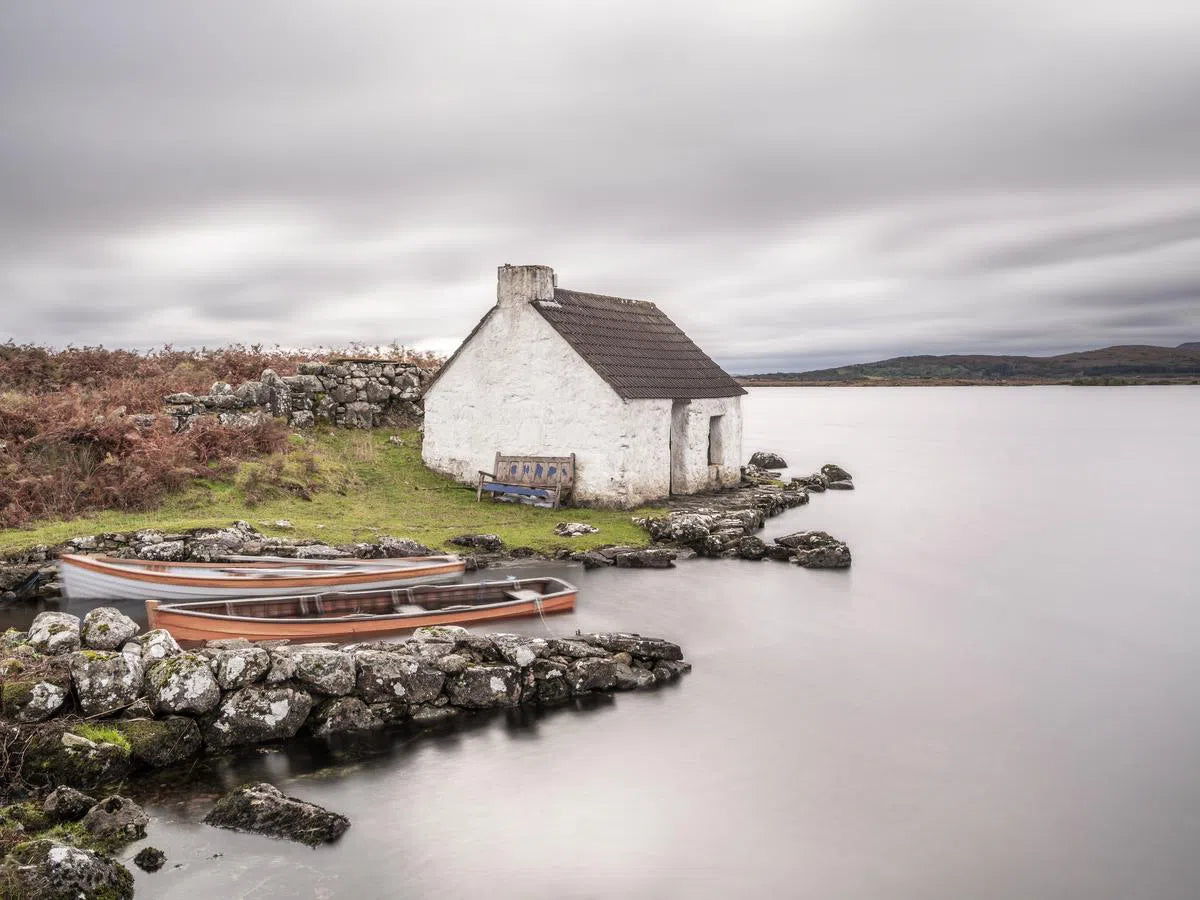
(56, 756)
(161, 742)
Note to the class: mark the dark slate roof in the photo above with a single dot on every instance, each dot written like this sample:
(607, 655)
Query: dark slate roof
(633, 346)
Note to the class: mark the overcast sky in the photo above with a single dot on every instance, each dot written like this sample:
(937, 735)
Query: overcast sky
(797, 184)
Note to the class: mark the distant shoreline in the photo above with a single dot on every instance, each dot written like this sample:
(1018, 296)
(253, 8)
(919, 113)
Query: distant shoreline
(1127, 381)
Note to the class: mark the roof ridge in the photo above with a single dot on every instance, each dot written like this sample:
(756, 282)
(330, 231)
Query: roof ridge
(606, 297)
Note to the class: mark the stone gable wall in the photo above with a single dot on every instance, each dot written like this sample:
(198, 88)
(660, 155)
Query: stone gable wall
(349, 393)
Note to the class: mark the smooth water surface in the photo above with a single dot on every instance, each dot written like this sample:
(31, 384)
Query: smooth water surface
(1000, 699)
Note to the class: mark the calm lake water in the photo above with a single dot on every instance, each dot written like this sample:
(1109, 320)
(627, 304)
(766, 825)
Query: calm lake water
(1001, 698)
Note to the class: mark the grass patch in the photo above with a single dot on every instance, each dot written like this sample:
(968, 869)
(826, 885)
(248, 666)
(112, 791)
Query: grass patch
(104, 734)
(340, 486)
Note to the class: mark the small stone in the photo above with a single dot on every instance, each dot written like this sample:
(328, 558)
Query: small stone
(117, 818)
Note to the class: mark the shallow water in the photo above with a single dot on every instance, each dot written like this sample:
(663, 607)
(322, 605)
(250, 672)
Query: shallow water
(1000, 699)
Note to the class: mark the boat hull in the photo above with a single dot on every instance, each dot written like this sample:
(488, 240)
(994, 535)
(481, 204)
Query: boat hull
(198, 622)
(84, 578)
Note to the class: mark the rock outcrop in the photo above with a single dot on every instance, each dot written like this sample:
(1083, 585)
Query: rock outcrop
(816, 550)
(263, 809)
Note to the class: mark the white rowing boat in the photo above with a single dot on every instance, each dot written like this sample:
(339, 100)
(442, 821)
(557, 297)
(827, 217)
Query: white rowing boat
(109, 578)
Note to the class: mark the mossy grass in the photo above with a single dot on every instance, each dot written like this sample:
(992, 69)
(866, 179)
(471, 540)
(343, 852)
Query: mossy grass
(103, 734)
(342, 486)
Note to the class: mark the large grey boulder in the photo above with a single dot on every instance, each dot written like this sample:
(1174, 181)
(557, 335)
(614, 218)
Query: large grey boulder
(104, 680)
(324, 670)
(263, 809)
(385, 676)
(54, 633)
(482, 687)
(50, 870)
(106, 628)
(183, 683)
(765, 459)
(239, 666)
(255, 714)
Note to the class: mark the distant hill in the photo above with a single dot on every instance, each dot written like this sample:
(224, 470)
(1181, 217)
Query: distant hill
(1131, 364)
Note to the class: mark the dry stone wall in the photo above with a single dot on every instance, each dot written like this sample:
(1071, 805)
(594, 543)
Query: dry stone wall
(350, 393)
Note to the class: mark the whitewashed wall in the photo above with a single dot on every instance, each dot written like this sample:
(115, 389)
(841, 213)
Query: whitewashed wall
(690, 444)
(519, 388)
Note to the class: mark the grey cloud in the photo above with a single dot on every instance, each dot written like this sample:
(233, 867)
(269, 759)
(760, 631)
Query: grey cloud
(791, 183)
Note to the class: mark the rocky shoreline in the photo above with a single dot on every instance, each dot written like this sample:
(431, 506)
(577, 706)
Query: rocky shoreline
(720, 525)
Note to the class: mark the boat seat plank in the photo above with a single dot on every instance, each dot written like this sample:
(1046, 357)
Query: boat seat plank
(526, 595)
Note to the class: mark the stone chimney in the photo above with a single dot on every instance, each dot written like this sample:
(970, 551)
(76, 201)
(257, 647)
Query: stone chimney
(516, 285)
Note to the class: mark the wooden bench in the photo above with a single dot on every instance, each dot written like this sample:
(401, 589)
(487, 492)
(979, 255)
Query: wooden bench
(537, 477)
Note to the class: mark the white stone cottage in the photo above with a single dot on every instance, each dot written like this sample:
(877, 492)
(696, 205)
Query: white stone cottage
(551, 372)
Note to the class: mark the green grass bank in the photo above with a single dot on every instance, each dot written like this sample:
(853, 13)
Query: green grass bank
(341, 486)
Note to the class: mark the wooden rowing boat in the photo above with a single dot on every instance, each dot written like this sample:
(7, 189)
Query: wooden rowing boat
(109, 578)
(355, 615)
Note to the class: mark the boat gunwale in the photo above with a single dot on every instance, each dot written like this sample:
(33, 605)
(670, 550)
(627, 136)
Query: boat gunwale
(262, 575)
(255, 562)
(174, 608)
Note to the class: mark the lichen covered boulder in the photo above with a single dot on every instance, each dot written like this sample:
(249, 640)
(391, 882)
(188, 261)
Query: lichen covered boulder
(105, 681)
(34, 697)
(592, 675)
(106, 628)
(263, 809)
(237, 667)
(383, 676)
(518, 650)
(54, 633)
(182, 683)
(255, 714)
(324, 670)
(50, 870)
(157, 644)
(482, 687)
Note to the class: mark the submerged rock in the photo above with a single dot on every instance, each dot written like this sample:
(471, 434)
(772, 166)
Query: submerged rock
(765, 459)
(150, 859)
(54, 633)
(816, 550)
(263, 809)
(50, 870)
(104, 680)
(106, 628)
(834, 472)
(255, 714)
